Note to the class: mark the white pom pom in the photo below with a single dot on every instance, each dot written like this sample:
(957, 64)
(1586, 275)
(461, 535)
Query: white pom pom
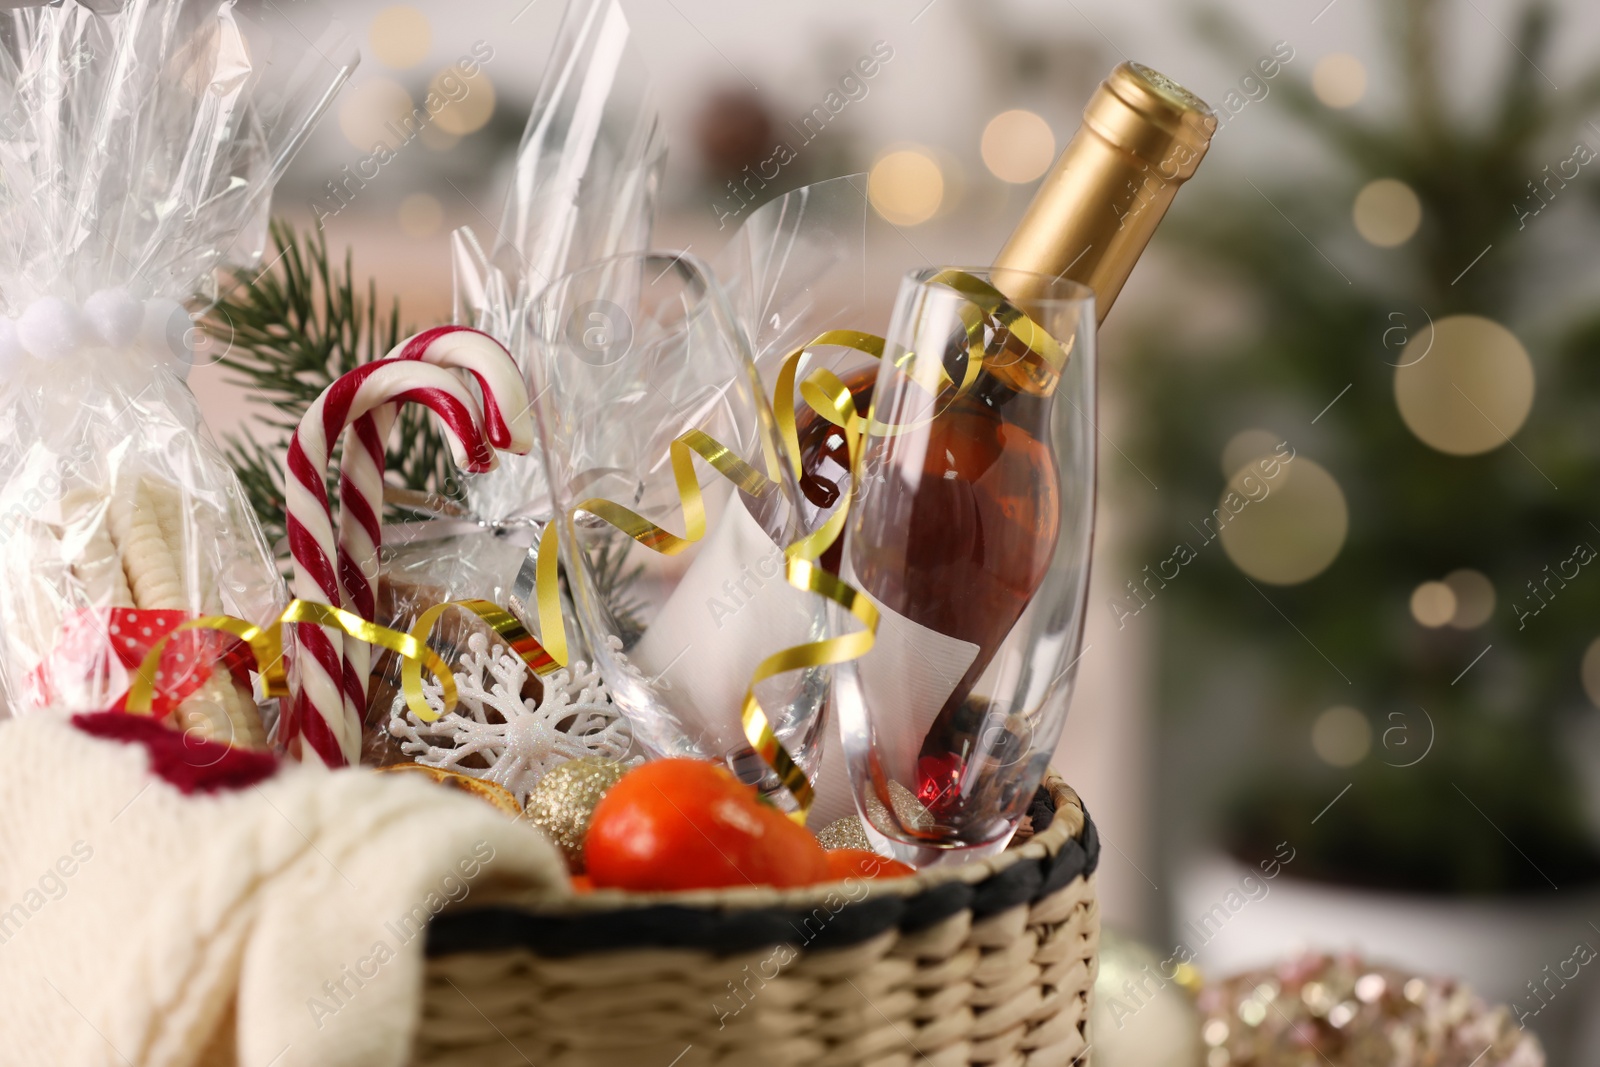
(11, 351)
(114, 317)
(169, 334)
(51, 328)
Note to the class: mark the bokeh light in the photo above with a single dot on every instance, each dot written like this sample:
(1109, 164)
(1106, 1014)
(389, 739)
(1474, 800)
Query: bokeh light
(421, 215)
(1247, 446)
(1294, 532)
(906, 186)
(1339, 80)
(1473, 389)
(473, 105)
(1018, 146)
(436, 140)
(400, 37)
(1341, 736)
(1387, 212)
(373, 113)
(1475, 598)
(1433, 604)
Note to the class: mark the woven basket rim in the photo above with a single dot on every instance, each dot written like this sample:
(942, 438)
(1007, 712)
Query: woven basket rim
(1067, 824)
(733, 918)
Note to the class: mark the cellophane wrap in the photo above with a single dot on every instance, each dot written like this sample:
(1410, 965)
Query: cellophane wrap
(452, 559)
(584, 187)
(139, 143)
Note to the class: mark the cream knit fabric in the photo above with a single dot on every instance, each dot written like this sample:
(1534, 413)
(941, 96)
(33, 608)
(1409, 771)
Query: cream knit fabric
(278, 925)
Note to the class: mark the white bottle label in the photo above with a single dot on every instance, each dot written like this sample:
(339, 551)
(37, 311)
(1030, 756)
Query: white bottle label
(732, 609)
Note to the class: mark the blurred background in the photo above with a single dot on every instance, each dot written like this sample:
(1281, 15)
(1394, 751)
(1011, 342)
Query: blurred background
(1389, 666)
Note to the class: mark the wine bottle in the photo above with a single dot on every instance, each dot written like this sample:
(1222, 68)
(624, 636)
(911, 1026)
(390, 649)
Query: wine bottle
(988, 494)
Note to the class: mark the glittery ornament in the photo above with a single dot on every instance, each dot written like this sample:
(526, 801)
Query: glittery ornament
(1341, 1011)
(497, 734)
(844, 833)
(564, 801)
(910, 811)
(849, 832)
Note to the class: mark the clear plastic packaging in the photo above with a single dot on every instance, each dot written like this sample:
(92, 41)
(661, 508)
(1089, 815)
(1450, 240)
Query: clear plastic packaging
(139, 143)
(583, 188)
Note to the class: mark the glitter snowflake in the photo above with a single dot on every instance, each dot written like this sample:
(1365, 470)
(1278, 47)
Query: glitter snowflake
(496, 734)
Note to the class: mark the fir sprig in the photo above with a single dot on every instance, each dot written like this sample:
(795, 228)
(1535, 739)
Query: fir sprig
(289, 333)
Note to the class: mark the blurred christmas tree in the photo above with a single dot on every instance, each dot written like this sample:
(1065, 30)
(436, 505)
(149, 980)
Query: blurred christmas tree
(1460, 599)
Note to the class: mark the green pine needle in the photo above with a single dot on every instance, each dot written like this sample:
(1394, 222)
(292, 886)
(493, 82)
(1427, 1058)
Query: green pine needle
(289, 334)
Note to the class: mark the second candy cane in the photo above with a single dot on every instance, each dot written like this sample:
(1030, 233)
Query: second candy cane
(317, 718)
(507, 423)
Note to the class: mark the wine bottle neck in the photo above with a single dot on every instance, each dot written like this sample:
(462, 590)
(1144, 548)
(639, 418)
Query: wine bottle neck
(1142, 137)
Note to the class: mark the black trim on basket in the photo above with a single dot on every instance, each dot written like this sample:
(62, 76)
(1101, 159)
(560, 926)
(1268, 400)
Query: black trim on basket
(726, 931)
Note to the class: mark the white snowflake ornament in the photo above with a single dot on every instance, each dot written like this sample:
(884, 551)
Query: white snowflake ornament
(497, 735)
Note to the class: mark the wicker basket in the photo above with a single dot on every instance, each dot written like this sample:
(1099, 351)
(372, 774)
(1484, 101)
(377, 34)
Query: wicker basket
(990, 963)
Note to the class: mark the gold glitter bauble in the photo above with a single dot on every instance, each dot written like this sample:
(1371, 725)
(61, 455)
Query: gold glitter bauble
(911, 811)
(844, 833)
(849, 832)
(563, 802)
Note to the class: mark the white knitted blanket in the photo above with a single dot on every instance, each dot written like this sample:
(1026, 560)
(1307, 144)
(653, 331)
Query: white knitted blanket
(266, 923)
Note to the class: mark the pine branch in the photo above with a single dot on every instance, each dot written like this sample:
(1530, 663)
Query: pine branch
(289, 334)
(615, 582)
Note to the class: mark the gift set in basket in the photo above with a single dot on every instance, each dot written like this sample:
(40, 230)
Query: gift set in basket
(763, 622)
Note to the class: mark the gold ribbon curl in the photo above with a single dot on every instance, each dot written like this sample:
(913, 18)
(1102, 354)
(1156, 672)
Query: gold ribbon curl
(799, 571)
(266, 646)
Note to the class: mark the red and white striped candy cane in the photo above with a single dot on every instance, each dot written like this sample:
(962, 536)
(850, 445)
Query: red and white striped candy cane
(507, 423)
(317, 714)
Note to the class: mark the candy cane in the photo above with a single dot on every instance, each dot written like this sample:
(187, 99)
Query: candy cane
(318, 710)
(507, 424)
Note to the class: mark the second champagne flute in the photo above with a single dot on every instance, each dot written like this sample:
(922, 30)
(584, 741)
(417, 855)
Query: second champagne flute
(639, 367)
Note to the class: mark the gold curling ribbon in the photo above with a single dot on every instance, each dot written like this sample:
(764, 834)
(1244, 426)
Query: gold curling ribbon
(266, 646)
(821, 390)
(543, 659)
(831, 398)
(1043, 354)
(683, 450)
(799, 571)
(783, 391)
(540, 658)
(807, 577)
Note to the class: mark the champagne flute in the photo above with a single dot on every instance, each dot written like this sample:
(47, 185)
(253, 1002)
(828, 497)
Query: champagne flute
(970, 531)
(631, 354)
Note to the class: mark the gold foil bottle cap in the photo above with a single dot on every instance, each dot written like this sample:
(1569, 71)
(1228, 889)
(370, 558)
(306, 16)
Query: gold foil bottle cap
(1143, 136)
(1146, 113)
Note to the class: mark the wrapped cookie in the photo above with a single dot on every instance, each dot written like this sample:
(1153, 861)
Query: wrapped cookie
(141, 142)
